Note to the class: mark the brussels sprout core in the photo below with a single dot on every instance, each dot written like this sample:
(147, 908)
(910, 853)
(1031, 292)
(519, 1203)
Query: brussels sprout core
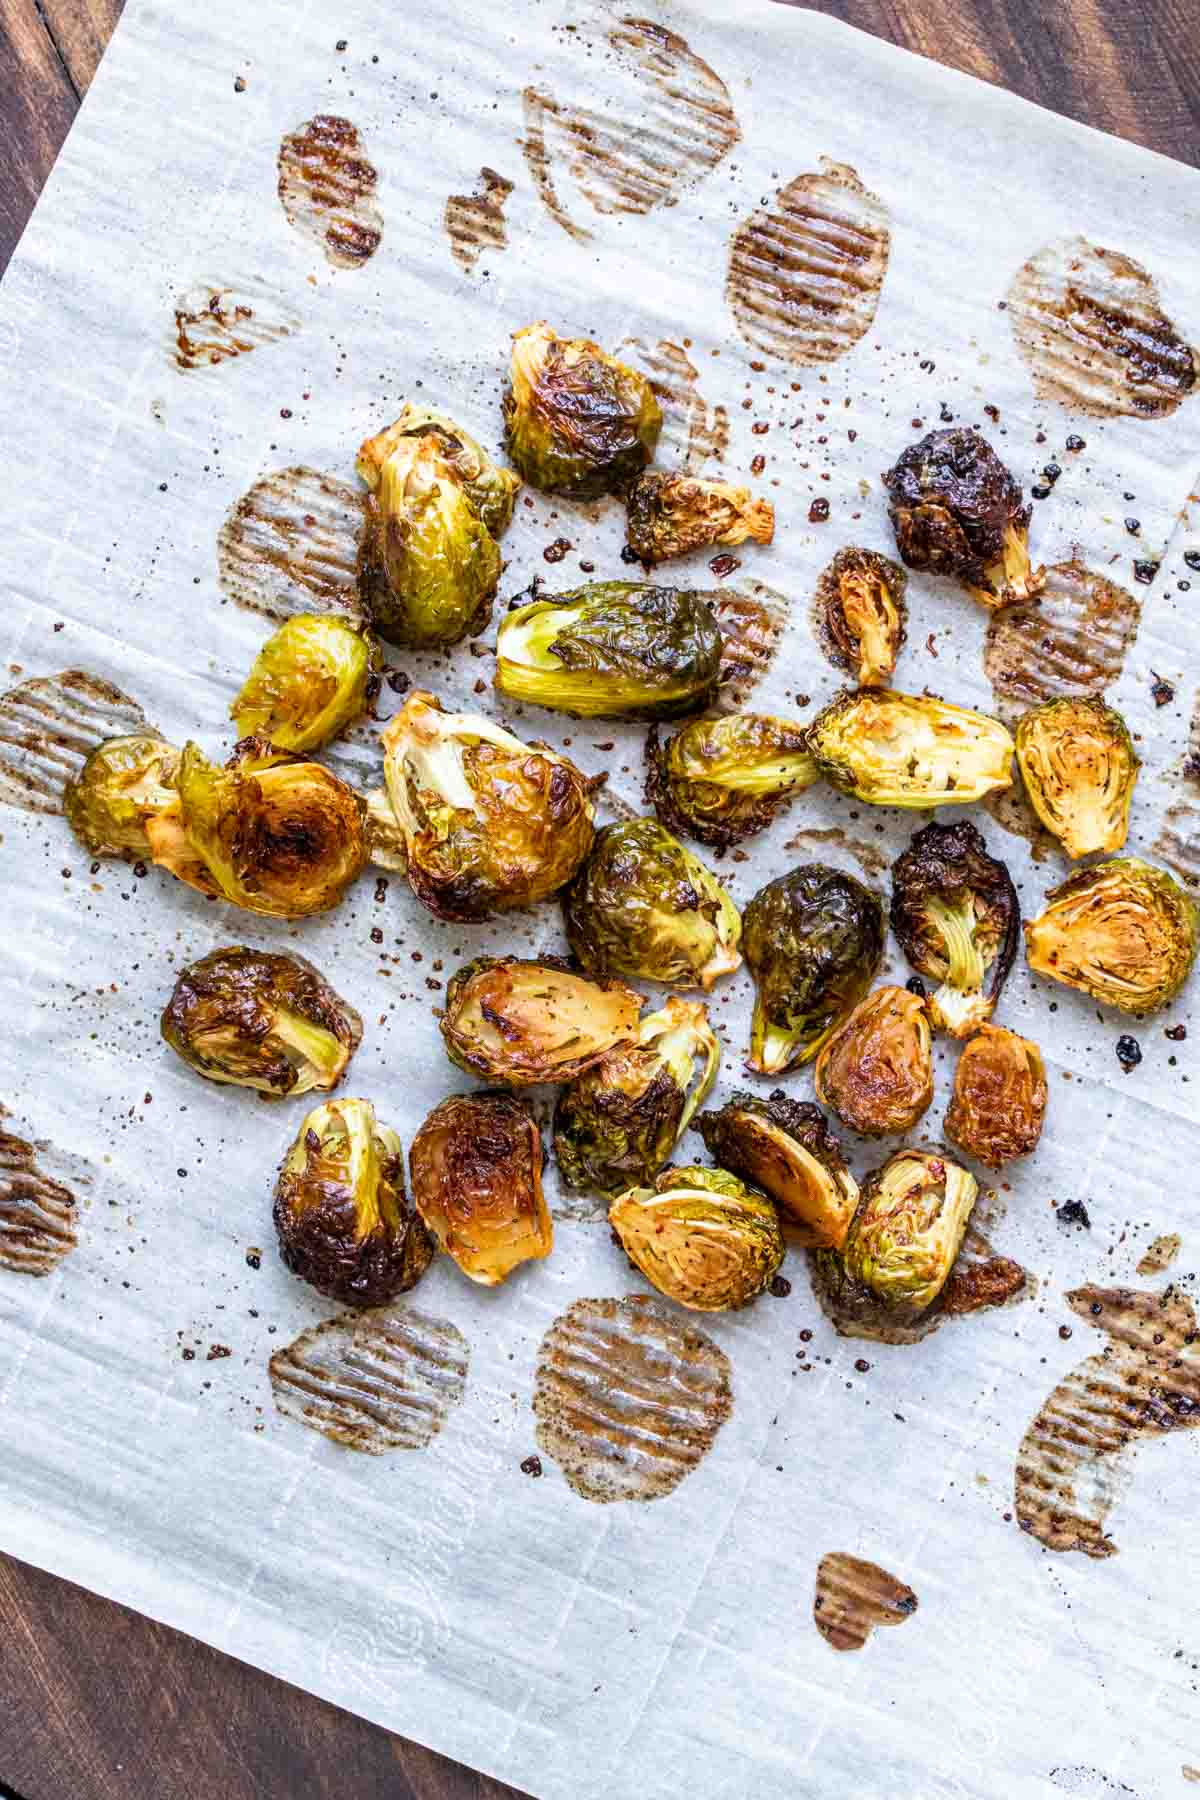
(955, 912)
(1079, 768)
(523, 1022)
(722, 780)
(491, 489)
(577, 421)
(314, 677)
(1122, 931)
(700, 1236)
(908, 1229)
(862, 614)
(476, 1167)
(668, 515)
(893, 749)
(785, 1147)
(125, 782)
(813, 940)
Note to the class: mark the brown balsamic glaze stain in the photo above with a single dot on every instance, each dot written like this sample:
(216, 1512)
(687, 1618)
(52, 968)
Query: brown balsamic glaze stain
(290, 545)
(1012, 810)
(48, 725)
(854, 1596)
(993, 1281)
(1073, 642)
(753, 619)
(1160, 1254)
(475, 222)
(871, 858)
(628, 1399)
(1089, 324)
(805, 274)
(37, 1213)
(215, 322)
(327, 190)
(1145, 1383)
(382, 1380)
(693, 432)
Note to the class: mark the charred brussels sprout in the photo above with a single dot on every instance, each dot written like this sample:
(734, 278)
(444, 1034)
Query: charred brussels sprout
(876, 1069)
(259, 1019)
(813, 940)
(644, 906)
(343, 1221)
(722, 780)
(476, 1169)
(489, 823)
(701, 1237)
(907, 1230)
(618, 1124)
(1079, 767)
(862, 614)
(314, 677)
(492, 490)
(956, 914)
(999, 1103)
(1122, 931)
(577, 422)
(522, 1022)
(893, 749)
(125, 782)
(668, 515)
(957, 511)
(785, 1147)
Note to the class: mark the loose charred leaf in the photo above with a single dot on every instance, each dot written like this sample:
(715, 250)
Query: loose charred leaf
(862, 614)
(668, 515)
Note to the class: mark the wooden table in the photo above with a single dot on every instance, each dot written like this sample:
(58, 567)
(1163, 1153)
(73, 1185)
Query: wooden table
(97, 1703)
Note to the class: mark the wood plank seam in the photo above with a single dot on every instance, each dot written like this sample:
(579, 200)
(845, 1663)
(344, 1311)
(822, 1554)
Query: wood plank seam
(40, 9)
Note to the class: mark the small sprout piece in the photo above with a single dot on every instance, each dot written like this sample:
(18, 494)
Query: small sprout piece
(618, 1124)
(876, 1068)
(522, 1022)
(125, 782)
(668, 515)
(999, 1103)
(577, 422)
(956, 914)
(491, 489)
(611, 650)
(476, 1171)
(488, 822)
(893, 749)
(386, 848)
(261, 1019)
(908, 1228)
(785, 1147)
(643, 905)
(862, 614)
(1079, 767)
(1122, 931)
(340, 1210)
(813, 940)
(957, 511)
(722, 780)
(701, 1237)
(315, 676)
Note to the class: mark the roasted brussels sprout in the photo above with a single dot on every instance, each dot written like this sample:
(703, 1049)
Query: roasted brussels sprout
(701, 1237)
(998, 1106)
(906, 1233)
(618, 1124)
(1079, 767)
(1122, 931)
(522, 1022)
(785, 1147)
(668, 515)
(315, 676)
(491, 489)
(577, 422)
(956, 915)
(643, 905)
(125, 782)
(476, 1170)
(489, 823)
(386, 848)
(611, 650)
(893, 749)
(721, 780)
(261, 1019)
(813, 940)
(957, 511)
(862, 614)
(876, 1068)
(343, 1221)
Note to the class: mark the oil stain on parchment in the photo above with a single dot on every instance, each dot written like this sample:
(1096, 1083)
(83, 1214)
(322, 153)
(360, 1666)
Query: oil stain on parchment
(327, 189)
(37, 1211)
(217, 321)
(1091, 329)
(475, 222)
(805, 274)
(49, 725)
(290, 545)
(1159, 1255)
(854, 1596)
(693, 432)
(1072, 643)
(386, 1379)
(1012, 810)
(753, 620)
(1178, 840)
(628, 1399)
(1072, 1463)
(871, 858)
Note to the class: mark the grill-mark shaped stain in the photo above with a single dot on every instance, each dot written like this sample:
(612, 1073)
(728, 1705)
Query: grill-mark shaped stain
(628, 1400)
(871, 859)
(1160, 1254)
(854, 1596)
(1090, 327)
(805, 274)
(692, 430)
(290, 545)
(752, 621)
(49, 725)
(1073, 642)
(382, 1380)
(475, 222)
(1071, 1465)
(37, 1213)
(217, 321)
(327, 189)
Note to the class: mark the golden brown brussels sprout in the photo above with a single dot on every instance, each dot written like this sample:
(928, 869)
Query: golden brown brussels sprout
(491, 490)
(1123, 931)
(955, 912)
(862, 614)
(1079, 768)
(315, 676)
(489, 823)
(701, 1237)
(668, 515)
(522, 1022)
(999, 1101)
(643, 905)
(957, 511)
(577, 422)
(343, 1221)
(259, 1019)
(876, 1068)
(721, 780)
(618, 1124)
(813, 940)
(476, 1170)
(125, 782)
(785, 1147)
(907, 1230)
(893, 749)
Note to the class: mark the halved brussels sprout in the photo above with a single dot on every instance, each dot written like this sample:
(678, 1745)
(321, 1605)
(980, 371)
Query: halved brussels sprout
(492, 490)
(701, 1237)
(577, 422)
(957, 511)
(521, 1022)
(1122, 931)
(956, 914)
(668, 515)
(876, 1068)
(721, 780)
(311, 679)
(1079, 767)
(643, 905)
(343, 1221)
(125, 782)
(611, 650)
(813, 939)
(999, 1101)
(893, 749)
(476, 1169)
(261, 1019)
(618, 1124)
(489, 823)
(785, 1147)
(908, 1228)
(862, 614)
